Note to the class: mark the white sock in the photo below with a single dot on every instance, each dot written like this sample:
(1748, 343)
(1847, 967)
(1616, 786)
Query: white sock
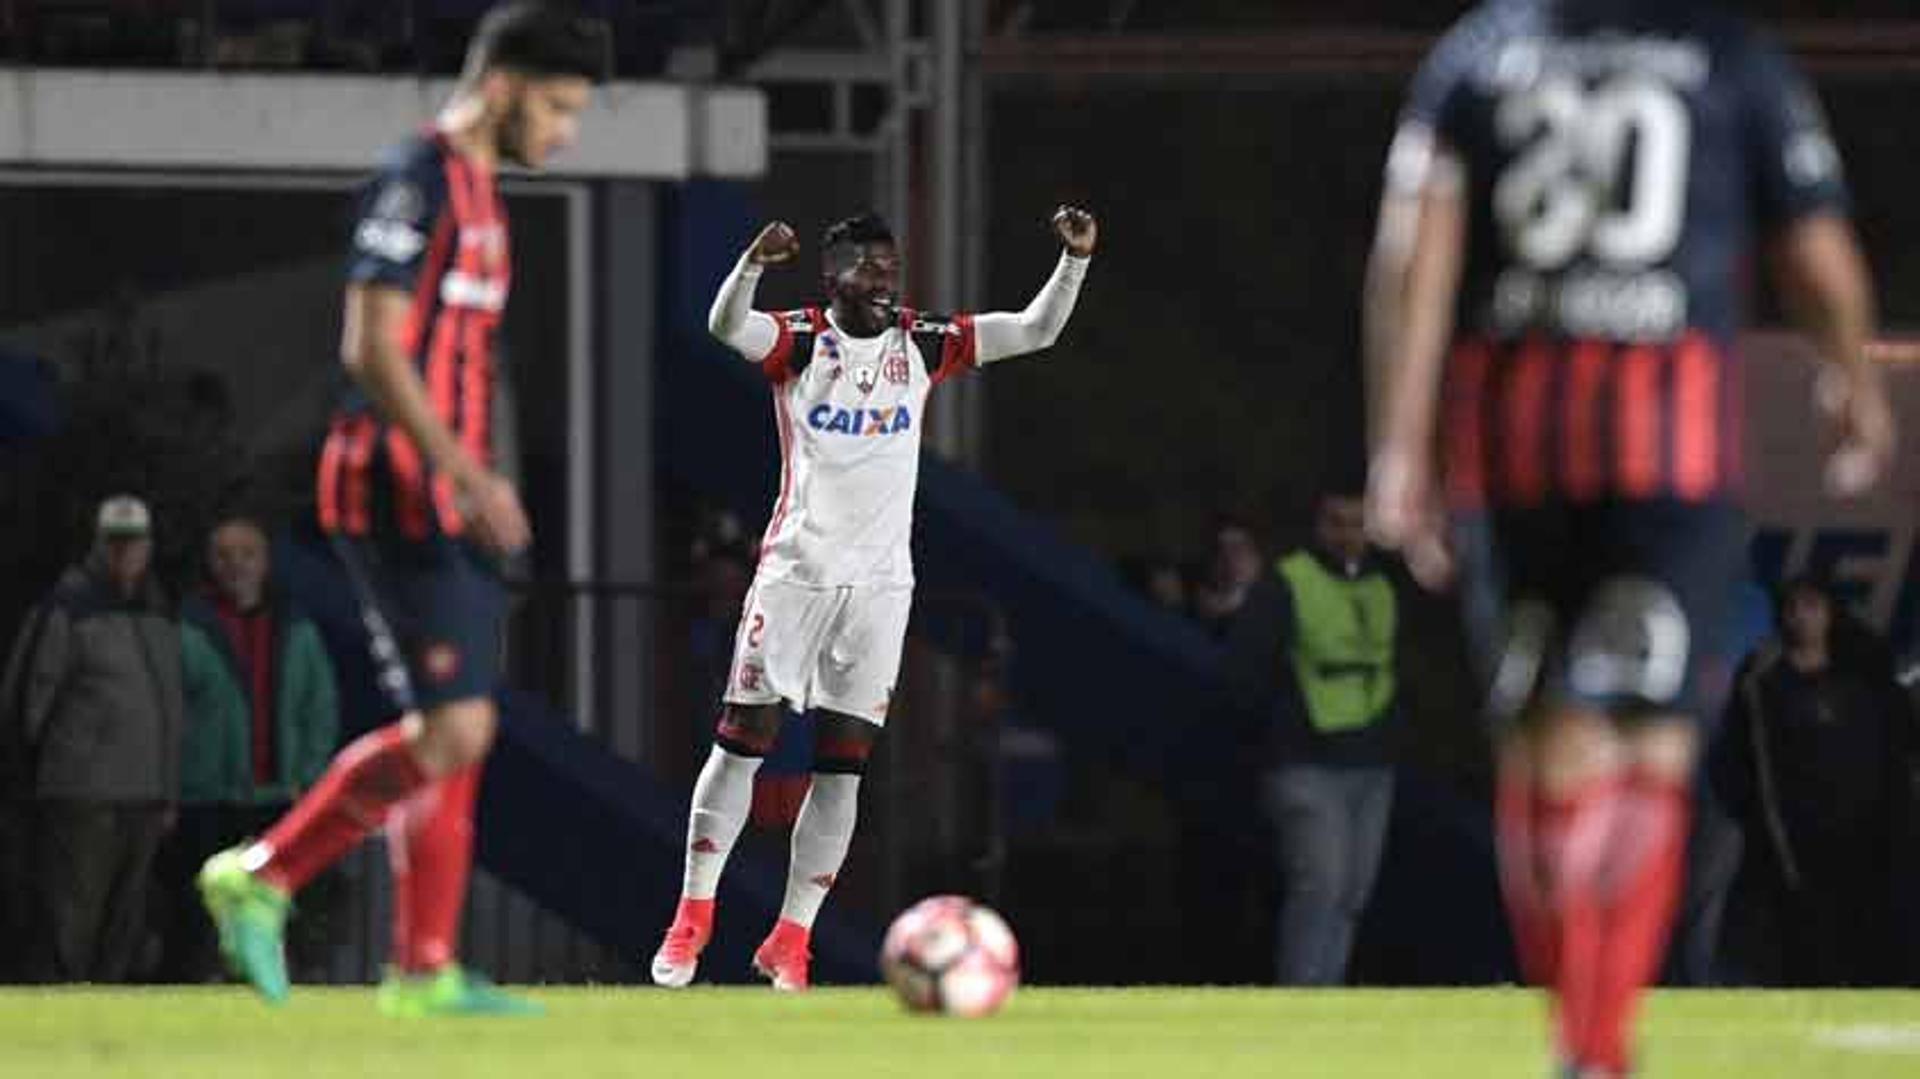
(820, 838)
(722, 797)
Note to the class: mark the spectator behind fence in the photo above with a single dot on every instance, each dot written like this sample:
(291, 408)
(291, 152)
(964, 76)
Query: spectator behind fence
(93, 730)
(1234, 566)
(261, 724)
(1714, 846)
(1812, 765)
(1314, 650)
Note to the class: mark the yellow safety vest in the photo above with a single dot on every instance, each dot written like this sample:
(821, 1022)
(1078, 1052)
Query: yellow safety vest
(1342, 643)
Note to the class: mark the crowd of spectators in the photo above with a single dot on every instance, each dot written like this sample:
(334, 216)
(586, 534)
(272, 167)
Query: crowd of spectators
(141, 729)
(1802, 869)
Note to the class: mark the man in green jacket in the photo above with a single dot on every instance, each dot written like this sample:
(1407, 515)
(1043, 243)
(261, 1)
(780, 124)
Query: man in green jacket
(1313, 650)
(261, 724)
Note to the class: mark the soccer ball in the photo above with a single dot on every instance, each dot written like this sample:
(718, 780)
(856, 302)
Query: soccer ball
(951, 955)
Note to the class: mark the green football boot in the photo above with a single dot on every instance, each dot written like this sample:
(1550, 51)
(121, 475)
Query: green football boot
(451, 990)
(252, 918)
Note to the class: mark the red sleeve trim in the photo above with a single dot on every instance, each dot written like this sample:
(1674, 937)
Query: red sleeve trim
(959, 353)
(777, 365)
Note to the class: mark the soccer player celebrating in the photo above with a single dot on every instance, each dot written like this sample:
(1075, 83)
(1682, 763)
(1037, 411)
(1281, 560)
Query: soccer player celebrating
(417, 514)
(823, 625)
(1573, 199)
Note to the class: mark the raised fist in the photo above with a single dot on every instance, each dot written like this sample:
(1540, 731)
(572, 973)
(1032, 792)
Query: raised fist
(775, 244)
(1077, 229)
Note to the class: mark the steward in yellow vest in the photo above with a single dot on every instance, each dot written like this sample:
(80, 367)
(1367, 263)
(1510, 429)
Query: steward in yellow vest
(1312, 654)
(1314, 649)
(1342, 640)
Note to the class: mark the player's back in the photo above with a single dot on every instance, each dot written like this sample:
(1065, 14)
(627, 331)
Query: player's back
(1621, 159)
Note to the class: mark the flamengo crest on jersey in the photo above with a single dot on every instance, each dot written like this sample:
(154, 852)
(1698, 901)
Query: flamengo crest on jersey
(848, 411)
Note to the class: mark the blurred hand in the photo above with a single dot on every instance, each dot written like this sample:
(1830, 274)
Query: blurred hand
(1077, 229)
(493, 508)
(1853, 401)
(776, 243)
(1404, 515)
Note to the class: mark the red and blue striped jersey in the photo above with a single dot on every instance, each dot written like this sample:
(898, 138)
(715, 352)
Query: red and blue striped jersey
(430, 222)
(1621, 160)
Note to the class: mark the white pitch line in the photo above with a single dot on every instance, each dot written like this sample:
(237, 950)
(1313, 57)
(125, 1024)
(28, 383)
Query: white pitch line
(1871, 1037)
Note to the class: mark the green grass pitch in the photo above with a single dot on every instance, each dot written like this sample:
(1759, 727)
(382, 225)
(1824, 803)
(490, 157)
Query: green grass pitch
(705, 1033)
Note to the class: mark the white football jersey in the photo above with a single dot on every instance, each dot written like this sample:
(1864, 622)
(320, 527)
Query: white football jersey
(849, 412)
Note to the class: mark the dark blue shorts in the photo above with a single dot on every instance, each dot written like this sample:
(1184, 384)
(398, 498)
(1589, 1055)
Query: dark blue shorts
(434, 611)
(1622, 606)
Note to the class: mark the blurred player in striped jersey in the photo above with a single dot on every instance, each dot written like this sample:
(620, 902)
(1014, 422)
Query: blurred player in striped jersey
(419, 517)
(1573, 202)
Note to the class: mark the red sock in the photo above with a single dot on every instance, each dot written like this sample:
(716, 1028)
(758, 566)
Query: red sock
(1645, 863)
(1535, 930)
(351, 799)
(1572, 840)
(430, 847)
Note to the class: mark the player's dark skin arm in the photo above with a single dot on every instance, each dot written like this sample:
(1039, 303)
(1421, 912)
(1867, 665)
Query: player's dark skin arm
(1078, 229)
(776, 243)
(872, 271)
(370, 352)
(1825, 283)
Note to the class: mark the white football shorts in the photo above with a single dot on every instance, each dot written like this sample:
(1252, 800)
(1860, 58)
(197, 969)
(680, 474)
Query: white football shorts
(836, 648)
